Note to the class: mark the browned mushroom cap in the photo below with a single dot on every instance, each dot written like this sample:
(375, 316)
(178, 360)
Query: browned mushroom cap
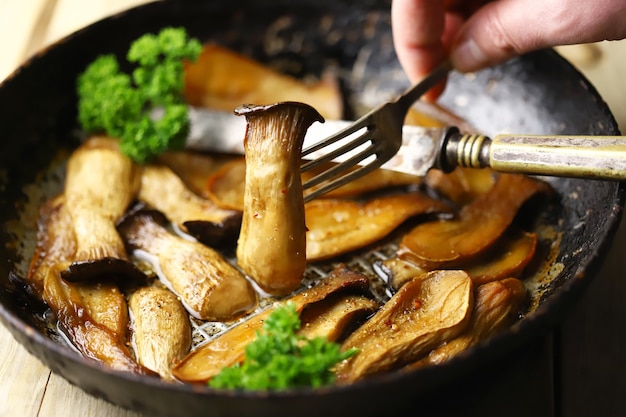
(424, 313)
(272, 242)
(208, 360)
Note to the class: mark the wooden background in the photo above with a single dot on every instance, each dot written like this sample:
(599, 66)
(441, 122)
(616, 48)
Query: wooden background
(586, 353)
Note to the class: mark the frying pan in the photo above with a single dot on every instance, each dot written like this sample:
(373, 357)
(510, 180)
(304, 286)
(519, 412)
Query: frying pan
(537, 93)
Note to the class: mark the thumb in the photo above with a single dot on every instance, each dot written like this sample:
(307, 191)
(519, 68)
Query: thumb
(507, 28)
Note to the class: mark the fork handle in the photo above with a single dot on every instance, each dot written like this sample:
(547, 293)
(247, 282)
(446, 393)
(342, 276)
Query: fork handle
(591, 157)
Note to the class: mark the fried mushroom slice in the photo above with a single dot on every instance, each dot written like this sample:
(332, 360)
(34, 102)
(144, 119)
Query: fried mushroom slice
(229, 348)
(461, 186)
(497, 304)
(507, 258)
(164, 191)
(449, 243)
(272, 243)
(92, 339)
(208, 285)
(161, 329)
(222, 79)
(226, 186)
(106, 304)
(397, 271)
(423, 314)
(332, 317)
(194, 168)
(337, 226)
(56, 243)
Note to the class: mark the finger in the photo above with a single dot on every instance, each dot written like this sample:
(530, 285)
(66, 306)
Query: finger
(418, 27)
(419, 32)
(507, 28)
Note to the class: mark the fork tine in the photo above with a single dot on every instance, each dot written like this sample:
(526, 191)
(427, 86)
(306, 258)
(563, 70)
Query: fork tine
(340, 167)
(344, 149)
(338, 182)
(342, 134)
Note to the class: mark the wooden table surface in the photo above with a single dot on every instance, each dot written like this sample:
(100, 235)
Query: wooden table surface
(585, 354)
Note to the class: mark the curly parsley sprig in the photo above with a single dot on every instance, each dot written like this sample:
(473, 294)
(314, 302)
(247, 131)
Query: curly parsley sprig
(123, 105)
(279, 358)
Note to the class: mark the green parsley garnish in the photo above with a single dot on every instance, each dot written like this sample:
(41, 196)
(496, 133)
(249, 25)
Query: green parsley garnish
(123, 105)
(279, 358)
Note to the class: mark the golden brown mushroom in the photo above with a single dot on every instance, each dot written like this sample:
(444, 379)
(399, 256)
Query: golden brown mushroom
(424, 313)
(497, 304)
(100, 185)
(208, 285)
(200, 217)
(208, 360)
(272, 243)
(449, 243)
(161, 329)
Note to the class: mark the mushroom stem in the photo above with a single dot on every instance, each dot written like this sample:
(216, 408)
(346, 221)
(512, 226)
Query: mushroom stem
(272, 244)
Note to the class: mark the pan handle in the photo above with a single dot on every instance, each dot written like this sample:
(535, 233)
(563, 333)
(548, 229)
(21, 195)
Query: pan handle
(589, 157)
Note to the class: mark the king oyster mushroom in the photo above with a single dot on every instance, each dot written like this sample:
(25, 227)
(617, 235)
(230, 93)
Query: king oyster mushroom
(449, 243)
(222, 79)
(338, 226)
(100, 185)
(332, 317)
(421, 315)
(209, 286)
(272, 243)
(496, 305)
(92, 339)
(161, 329)
(56, 243)
(228, 349)
(164, 190)
(506, 258)
(93, 315)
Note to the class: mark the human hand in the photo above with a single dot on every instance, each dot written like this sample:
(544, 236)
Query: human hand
(479, 33)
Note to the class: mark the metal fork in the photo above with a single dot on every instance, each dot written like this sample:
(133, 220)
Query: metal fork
(369, 142)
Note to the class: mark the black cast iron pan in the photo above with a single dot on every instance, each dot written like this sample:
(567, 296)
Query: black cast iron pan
(538, 93)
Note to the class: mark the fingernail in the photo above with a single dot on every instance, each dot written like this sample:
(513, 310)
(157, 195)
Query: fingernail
(468, 56)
